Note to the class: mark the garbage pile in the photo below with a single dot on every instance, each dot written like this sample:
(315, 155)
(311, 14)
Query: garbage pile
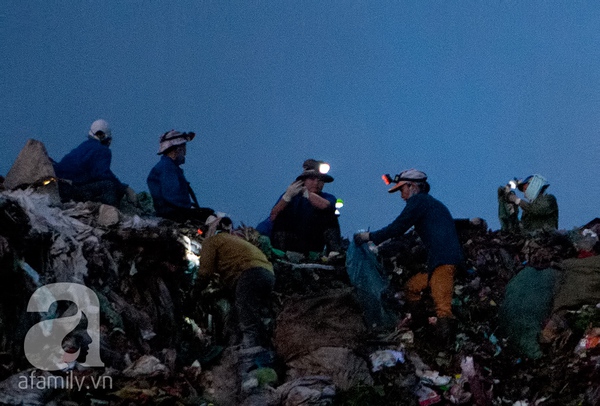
(527, 307)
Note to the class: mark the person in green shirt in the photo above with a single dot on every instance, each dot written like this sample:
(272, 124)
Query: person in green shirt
(539, 209)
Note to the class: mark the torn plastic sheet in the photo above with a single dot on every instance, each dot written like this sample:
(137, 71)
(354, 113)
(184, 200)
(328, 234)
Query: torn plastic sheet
(44, 218)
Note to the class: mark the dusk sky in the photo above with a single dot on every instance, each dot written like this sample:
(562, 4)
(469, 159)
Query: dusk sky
(473, 93)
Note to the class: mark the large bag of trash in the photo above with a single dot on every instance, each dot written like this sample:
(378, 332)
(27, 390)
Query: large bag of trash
(527, 303)
(33, 167)
(308, 323)
(366, 275)
(580, 284)
(345, 367)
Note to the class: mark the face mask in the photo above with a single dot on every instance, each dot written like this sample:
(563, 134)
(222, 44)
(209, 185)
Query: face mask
(179, 159)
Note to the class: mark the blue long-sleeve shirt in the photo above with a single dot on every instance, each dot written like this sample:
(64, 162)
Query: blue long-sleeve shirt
(87, 163)
(307, 222)
(168, 187)
(434, 225)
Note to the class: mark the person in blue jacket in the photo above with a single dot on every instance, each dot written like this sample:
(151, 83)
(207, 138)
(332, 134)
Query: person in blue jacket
(87, 170)
(435, 226)
(303, 219)
(172, 195)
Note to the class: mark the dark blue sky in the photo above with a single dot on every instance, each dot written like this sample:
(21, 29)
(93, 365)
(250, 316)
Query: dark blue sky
(472, 92)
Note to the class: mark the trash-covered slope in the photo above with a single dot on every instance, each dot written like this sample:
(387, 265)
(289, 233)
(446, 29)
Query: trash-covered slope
(162, 342)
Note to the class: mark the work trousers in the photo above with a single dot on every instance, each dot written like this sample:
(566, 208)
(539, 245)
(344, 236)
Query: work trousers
(104, 191)
(252, 300)
(441, 283)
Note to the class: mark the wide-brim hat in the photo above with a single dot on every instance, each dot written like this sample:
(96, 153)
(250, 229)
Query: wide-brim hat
(312, 170)
(173, 138)
(409, 175)
(314, 173)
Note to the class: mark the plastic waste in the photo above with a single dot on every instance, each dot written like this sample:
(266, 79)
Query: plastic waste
(434, 378)
(458, 393)
(385, 358)
(427, 396)
(590, 340)
(366, 275)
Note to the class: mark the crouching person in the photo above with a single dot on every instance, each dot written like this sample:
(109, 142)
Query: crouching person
(247, 275)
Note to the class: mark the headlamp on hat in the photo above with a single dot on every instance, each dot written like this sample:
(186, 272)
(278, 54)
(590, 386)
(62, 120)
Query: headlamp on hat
(513, 183)
(387, 179)
(409, 175)
(315, 169)
(324, 167)
(312, 164)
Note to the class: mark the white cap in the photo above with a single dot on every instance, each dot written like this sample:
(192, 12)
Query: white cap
(102, 126)
(173, 138)
(409, 175)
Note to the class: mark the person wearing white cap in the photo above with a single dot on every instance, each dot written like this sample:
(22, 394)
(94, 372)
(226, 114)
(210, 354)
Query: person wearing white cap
(435, 226)
(539, 210)
(303, 219)
(172, 195)
(87, 167)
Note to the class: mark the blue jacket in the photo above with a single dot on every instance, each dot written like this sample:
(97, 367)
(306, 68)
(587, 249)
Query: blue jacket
(305, 221)
(88, 163)
(168, 187)
(434, 225)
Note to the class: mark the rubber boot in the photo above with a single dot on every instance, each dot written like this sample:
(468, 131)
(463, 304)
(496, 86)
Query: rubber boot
(445, 331)
(417, 313)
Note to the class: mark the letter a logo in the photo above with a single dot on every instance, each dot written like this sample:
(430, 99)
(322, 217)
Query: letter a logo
(43, 342)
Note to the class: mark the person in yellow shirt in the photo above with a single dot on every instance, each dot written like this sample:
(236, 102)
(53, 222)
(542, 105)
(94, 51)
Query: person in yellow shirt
(247, 274)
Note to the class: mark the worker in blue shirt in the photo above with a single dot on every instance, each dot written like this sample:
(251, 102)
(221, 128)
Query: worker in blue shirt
(172, 195)
(87, 171)
(435, 226)
(303, 219)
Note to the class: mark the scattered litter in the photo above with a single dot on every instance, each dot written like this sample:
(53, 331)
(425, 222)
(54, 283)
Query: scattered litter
(590, 340)
(385, 358)
(143, 270)
(146, 365)
(427, 396)
(434, 378)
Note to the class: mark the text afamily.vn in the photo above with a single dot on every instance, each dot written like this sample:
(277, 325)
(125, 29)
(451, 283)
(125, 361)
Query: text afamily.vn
(68, 381)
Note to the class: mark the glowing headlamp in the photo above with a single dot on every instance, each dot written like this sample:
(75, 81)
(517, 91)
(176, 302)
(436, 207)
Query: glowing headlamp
(513, 183)
(324, 167)
(387, 179)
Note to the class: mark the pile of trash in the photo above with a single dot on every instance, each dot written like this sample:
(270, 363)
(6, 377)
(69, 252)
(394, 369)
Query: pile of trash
(527, 307)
